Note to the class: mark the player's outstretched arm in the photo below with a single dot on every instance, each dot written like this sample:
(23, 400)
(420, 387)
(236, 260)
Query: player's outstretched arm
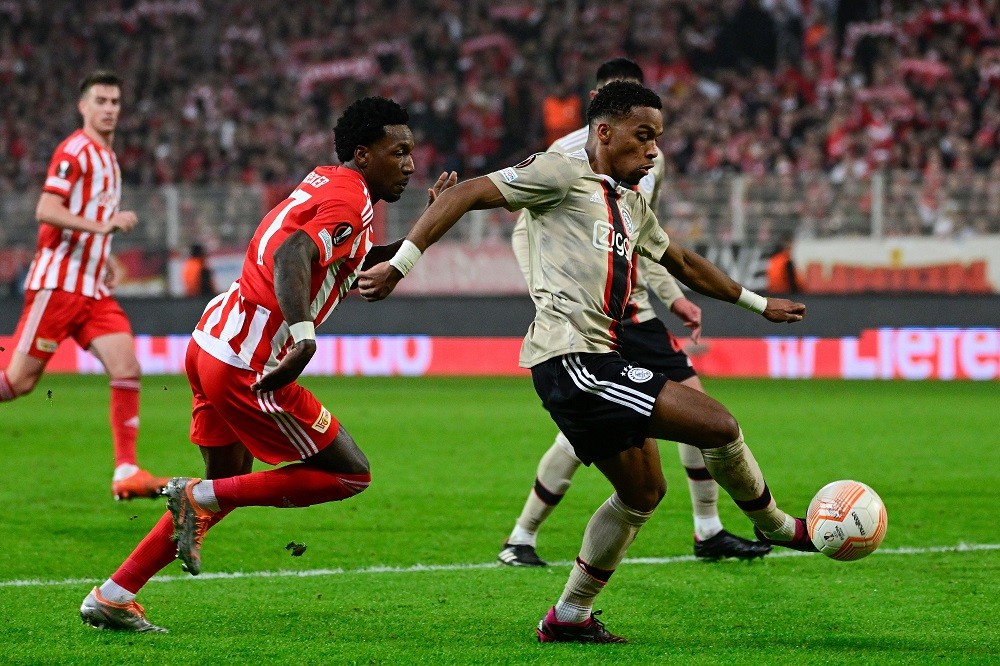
(292, 262)
(380, 253)
(451, 204)
(706, 278)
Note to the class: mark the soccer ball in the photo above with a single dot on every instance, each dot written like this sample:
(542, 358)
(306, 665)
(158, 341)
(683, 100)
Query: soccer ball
(846, 520)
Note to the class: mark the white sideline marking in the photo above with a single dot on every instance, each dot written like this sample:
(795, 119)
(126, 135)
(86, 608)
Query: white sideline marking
(420, 568)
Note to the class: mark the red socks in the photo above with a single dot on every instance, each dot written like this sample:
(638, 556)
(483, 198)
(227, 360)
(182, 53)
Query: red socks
(153, 553)
(288, 486)
(125, 418)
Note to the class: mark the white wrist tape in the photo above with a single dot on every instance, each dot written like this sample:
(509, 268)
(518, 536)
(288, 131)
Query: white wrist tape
(406, 256)
(304, 330)
(751, 301)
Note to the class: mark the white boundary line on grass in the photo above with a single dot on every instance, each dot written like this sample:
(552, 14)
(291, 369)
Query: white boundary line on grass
(420, 568)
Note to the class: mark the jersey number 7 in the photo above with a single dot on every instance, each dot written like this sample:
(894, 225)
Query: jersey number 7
(294, 199)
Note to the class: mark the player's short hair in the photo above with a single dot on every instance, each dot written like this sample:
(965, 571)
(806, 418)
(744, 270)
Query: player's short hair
(618, 98)
(363, 123)
(99, 77)
(617, 69)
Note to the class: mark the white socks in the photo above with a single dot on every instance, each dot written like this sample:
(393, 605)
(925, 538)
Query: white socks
(736, 470)
(124, 471)
(552, 480)
(204, 494)
(115, 593)
(610, 532)
(704, 492)
(706, 528)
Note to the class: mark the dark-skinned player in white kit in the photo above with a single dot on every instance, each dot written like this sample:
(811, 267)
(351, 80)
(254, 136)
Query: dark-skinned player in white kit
(586, 224)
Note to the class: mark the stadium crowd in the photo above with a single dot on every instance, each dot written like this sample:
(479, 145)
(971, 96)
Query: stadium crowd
(223, 92)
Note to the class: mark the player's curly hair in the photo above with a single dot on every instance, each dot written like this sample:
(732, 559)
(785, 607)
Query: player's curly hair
(363, 123)
(618, 98)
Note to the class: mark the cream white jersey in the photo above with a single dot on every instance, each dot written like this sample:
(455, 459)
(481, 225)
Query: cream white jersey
(582, 231)
(650, 276)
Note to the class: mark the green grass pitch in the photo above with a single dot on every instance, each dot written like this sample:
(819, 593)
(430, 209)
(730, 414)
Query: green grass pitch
(452, 461)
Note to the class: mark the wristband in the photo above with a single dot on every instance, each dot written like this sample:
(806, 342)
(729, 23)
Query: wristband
(304, 330)
(405, 257)
(751, 301)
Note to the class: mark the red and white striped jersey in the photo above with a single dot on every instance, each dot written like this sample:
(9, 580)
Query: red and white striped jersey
(244, 327)
(87, 176)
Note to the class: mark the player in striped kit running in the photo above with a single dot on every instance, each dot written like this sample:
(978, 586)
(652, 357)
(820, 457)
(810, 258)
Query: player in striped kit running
(69, 284)
(251, 345)
(585, 226)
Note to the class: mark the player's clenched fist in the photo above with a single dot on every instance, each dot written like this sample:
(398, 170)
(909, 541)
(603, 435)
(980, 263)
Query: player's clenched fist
(123, 220)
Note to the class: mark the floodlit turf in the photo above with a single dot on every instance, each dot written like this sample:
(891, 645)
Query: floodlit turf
(452, 461)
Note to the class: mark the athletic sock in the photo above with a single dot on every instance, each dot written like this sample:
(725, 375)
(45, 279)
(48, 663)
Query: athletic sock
(204, 495)
(736, 470)
(6, 390)
(704, 492)
(610, 532)
(552, 480)
(152, 554)
(115, 593)
(706, 528)
(124, 470)
(294, 485)
(125, 418)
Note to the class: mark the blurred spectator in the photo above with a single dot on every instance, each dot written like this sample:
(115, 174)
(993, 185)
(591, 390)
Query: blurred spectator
(781, 276)
(220, 92)
(562, 113)
(196, 274)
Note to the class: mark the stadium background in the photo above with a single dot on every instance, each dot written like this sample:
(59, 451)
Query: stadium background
(780, 117)
(867, 132)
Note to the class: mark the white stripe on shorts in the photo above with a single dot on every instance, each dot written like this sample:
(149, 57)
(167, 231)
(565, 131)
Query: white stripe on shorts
(617, 393)
(294, 428)
(287, 424)
(34, 319)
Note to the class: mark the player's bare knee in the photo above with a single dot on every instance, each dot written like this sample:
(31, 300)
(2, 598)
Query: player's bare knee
(644, 496)
(725, 429)
(23, 385)
(342, 455)
(125, 370)
(657, 491)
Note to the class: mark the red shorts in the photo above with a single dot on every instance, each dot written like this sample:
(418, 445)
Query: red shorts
(280, 426)
(52, 315)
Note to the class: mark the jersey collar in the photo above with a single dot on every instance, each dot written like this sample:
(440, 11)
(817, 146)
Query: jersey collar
(582, 155)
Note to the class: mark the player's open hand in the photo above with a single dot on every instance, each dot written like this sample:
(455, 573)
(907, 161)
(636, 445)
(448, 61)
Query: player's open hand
(378, 281)
(444, 181)
(123, 220)
(289, 369)
(690, 316)
(784, 311)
